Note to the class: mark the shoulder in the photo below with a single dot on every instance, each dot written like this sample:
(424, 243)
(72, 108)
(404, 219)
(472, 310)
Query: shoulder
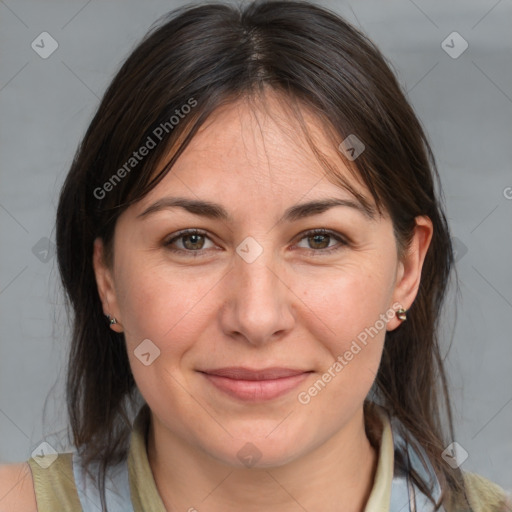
(17, 488)
(42, 484)
(486, 496)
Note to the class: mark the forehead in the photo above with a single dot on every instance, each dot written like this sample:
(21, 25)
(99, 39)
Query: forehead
(261, 142)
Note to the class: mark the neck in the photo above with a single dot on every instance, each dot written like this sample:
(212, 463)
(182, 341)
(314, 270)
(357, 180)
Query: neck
(336, 475)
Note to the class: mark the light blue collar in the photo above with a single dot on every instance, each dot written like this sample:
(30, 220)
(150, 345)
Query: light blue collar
(408, 454)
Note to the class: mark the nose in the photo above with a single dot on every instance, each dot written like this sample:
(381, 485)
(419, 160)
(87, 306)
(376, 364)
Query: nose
(259, 306)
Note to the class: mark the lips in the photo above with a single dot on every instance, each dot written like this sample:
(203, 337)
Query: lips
(255, 385)
(240, 373)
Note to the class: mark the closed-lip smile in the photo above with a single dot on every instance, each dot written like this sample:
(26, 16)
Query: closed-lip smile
(255, 385)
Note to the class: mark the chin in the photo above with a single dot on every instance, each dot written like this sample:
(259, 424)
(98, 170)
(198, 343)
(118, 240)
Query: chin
(258, 452)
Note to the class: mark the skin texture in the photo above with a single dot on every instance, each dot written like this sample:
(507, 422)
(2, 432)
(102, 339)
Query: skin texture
(17, 488)
(295, 306)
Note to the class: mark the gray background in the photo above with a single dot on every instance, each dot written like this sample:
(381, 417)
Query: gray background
(465, 105)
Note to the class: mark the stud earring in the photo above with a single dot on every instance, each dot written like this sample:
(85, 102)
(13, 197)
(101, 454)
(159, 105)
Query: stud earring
(112, 320)
(401, 314)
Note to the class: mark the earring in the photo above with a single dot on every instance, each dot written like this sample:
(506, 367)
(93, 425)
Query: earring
(112, 320)
(401, 314)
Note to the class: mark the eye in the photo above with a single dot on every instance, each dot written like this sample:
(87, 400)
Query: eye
(193, 242)
(319, 241)
(189, 240)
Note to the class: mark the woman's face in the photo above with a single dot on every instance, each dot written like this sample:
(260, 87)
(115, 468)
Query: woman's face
(254, 291)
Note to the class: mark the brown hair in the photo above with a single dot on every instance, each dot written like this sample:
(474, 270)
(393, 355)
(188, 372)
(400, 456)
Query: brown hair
(212, 55)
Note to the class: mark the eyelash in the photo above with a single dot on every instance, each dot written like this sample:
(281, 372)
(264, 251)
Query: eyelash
(314, 252)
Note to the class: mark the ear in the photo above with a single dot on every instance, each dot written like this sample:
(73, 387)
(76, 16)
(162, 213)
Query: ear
(409, 268)
(105, 284)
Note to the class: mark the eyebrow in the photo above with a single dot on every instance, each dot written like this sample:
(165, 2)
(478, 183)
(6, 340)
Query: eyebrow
(212, 210)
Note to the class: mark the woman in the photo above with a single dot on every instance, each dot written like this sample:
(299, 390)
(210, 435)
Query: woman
(256, 258)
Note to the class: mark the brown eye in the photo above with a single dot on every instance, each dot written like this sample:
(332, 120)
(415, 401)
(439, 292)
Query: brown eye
(321, 241)
(193, 241)
(189, 241)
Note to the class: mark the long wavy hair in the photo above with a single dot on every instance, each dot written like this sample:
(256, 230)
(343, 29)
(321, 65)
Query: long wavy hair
(206, 56)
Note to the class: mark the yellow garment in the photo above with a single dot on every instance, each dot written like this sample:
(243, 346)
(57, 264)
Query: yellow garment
(55, 486)
(485, 495)
(56, 490)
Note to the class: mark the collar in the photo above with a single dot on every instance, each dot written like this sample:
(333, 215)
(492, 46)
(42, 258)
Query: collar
(393, 489)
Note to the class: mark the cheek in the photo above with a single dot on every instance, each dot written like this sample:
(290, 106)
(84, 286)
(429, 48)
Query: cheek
(351, 310)
(161, 303)
(352, 344)
(165, 308)
(347, 301)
